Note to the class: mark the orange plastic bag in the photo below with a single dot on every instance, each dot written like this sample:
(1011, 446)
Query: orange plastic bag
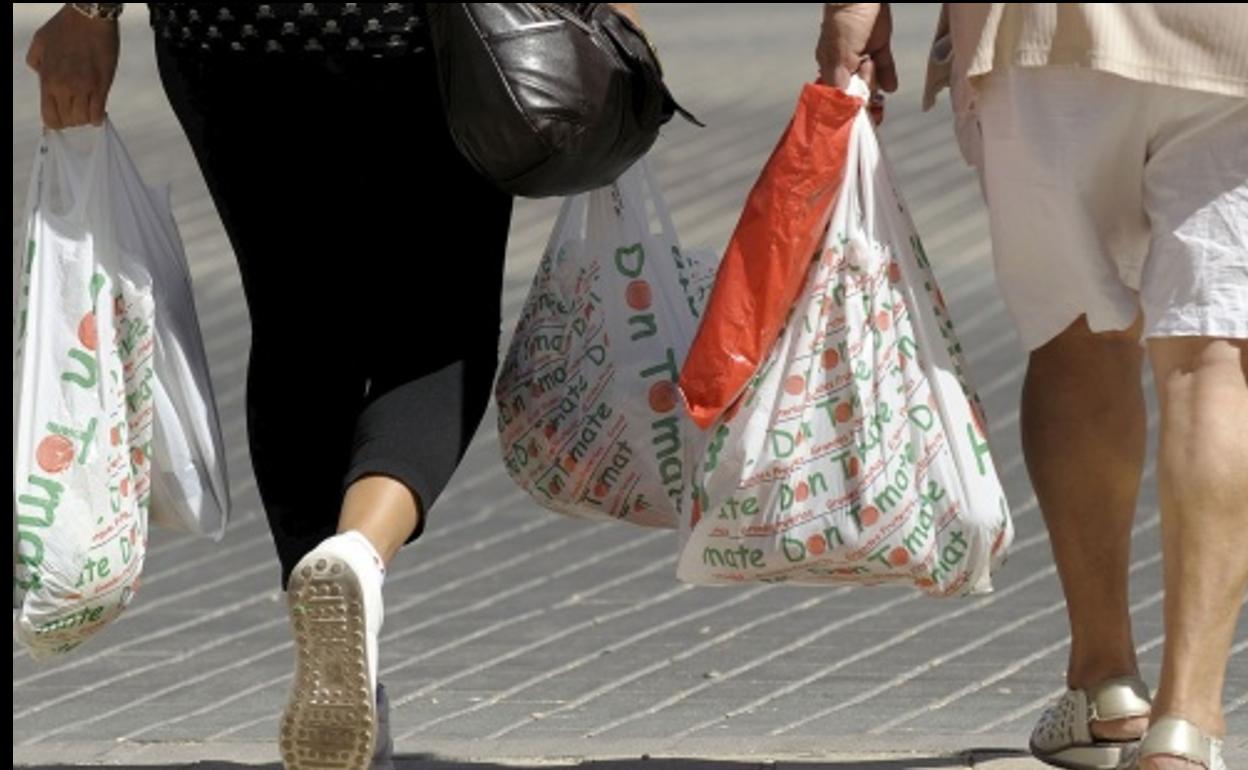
(778, 235)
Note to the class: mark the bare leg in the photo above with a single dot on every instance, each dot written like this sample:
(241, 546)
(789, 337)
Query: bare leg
(1084, 428)
(1203, 479)
(381, 509)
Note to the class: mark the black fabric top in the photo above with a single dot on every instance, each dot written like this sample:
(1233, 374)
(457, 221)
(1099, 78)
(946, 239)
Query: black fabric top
(367, 29)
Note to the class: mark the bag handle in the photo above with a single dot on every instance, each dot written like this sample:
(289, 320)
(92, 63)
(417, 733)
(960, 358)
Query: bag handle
(70, 170)
(864, 152)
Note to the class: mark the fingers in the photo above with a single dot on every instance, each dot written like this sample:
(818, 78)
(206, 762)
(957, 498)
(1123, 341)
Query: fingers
(77, 106)
(866, 71)
(840, 76)
(51, 112)
(837, 60)
(34, 54)
(870, 71)
(76, 59)
(66, 106)
(95, 110)
(885, 69)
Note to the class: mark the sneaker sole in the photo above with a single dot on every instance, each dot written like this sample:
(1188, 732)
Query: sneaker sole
(330, 722)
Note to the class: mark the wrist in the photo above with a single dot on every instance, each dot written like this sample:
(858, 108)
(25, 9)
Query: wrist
(830, 9)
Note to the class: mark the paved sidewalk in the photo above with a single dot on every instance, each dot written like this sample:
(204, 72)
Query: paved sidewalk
(540, 755)
(516, 638)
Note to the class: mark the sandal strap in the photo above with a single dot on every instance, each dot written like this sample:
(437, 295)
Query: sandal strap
(1175, 737)
(1122, 698)
(1068, 722)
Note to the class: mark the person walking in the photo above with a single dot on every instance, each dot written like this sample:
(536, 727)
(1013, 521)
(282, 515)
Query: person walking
(371, 257)
(1112, 144)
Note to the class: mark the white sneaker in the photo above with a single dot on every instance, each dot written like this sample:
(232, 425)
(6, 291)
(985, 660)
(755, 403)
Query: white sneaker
(330, 722)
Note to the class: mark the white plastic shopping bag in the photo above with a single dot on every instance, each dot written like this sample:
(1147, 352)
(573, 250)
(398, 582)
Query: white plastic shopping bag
(857, 452)
(588, 415)
(190, 489)
(97, 347)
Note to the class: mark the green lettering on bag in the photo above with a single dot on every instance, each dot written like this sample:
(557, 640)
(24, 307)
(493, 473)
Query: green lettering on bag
(741, 557)
(507, 411)
(516, 459)
(85, 437)
(863, 371)
(552, 379)
(782, 443)
(666, 436)
(88, 379)
(731, 510)
(818, 484)
(141, 394)
(923, 531)
(671, 467)
(611, 473)
(846, 458)
(636, 253)
(648, 326)
(950, 556)
(76, 619)
(922, 416)
(920, 255)
(133, 332)
(907, 347)
(572, 398)
(98, 280)
(892, 494)
(93, 570)
(874, 432)
(855, 515)
(127, 548)
(592, 423)
(31, 561)
(916, 538)
(833, 536)
(880, 555)
(668, 367)
(25, 283)
(979, 447)
(713, 449)
(542, 343)
(47, 504)
(888, 499)
(793, 549)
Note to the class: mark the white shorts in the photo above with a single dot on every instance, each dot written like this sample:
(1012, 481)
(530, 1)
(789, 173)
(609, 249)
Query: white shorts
(1109, 197)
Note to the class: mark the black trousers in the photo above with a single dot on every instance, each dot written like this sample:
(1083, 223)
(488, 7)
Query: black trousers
(371, 258)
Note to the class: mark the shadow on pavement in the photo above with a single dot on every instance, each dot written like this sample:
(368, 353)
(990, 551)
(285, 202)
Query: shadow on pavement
(973, 758)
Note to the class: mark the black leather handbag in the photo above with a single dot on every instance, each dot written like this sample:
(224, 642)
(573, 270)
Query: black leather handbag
(548, 99)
